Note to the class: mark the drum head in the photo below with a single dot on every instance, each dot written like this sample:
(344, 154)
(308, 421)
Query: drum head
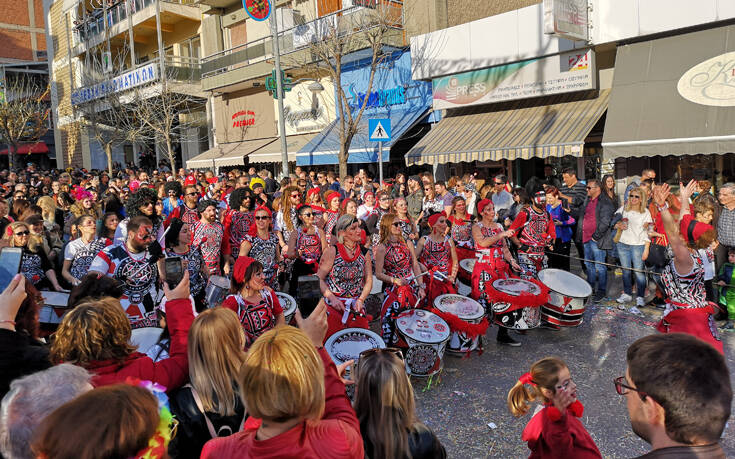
(515, 286)
(565, 283)
(461, 306)
(220, 281)
(423, 326)
(145, 337)
(55, 299)
(468, 264)
(287, 303)
(347, 344)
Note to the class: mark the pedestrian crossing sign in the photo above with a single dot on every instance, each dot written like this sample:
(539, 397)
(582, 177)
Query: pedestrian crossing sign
(379, 129)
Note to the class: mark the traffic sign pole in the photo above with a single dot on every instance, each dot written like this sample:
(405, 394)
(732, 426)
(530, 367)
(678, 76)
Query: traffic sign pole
(380, 161)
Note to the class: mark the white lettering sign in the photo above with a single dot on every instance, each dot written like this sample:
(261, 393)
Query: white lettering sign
(128, 80)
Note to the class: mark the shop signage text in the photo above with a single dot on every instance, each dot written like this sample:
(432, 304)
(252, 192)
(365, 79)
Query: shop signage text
(248, 119)
(567, 19)
(294, 118)
(711, 82)
(127, 80)
(561, 73)
(306, 111)
(379, 98)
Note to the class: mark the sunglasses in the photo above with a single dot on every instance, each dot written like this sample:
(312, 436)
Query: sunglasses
(396, 224)
(23, 233)
(262, 217)
(621, 388)
(307, 214)
(635, 196)
(295, 195)
(380, 350)
(194, 193)
(499, 183)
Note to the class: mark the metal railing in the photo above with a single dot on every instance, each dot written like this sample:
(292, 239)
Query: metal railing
(94, 24)
(291, 40)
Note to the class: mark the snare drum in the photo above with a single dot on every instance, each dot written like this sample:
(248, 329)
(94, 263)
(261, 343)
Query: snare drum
(517, 308)
(288, 303)
(426, 335)
(347, 345)
(145, 338)
(467, 310)
(466, 267)
(55, 306)
(217, 289)
(567, 296)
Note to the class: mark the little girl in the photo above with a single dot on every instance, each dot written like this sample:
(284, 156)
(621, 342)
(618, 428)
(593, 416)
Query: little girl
(554, 431)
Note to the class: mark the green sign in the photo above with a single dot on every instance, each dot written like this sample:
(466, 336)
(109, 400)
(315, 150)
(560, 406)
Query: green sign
(271, 83)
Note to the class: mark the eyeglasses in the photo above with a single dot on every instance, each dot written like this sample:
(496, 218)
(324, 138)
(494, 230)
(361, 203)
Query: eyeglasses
(23, 233)
(379, 350)
(262, 217)
(621, 388)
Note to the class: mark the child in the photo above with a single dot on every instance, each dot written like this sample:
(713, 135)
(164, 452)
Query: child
(725, 276)
(554, 431)
(694, 228)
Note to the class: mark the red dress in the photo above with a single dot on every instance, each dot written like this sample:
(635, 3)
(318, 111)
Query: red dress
(255, 318)
(397, 263)
(438, 256)
(490, 266)
(551, 435)
(461, 232)
(346, 281)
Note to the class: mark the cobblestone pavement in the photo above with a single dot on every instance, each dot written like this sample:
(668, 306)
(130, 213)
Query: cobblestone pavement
(471, 392)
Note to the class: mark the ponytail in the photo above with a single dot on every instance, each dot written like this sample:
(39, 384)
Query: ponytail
(544, 374)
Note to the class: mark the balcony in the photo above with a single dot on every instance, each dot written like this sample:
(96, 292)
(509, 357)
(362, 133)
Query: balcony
(254, 59)
(90, 31)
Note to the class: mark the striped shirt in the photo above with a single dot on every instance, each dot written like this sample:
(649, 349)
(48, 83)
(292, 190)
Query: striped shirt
(578, 193)
(726, 227)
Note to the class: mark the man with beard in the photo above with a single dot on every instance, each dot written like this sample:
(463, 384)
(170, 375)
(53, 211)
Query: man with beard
(535, 230)
(207, 235)
(189, 212)
(142, 202)
(134, 266)
(373, 219)
(678, 394)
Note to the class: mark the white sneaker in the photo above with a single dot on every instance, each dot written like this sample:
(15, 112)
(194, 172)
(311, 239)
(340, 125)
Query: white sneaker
(624, 298)
(639, 301)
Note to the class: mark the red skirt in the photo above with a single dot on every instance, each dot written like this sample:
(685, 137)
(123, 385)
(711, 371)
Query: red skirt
(694, 321)
(487, 272)
(435, 288)
(334, 322)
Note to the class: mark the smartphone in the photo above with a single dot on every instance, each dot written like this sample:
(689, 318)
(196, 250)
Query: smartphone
(9, 265)
(174, 271)
(309, 295)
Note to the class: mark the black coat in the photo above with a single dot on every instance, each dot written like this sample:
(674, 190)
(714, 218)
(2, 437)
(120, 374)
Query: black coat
(20, 355)
(422, 443)
(604, 212)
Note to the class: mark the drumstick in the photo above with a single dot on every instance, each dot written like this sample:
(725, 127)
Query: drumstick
(346, 313)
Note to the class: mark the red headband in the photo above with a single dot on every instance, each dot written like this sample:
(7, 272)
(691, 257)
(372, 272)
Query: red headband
(435, 218)
(241, 265)
(482, 204)
(369, 193)
(262, 207)
(312, 191)
(331, 196)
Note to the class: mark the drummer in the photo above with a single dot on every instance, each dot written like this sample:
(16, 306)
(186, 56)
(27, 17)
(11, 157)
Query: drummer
(178, 244)
(536, 232)
(436, 253)
(397, 267)
(262, 244)
(305, 246)
(493, 259)
(345, 277)
(461, 230)
(256, 305)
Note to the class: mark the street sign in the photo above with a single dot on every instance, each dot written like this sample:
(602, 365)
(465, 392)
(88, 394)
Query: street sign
(259, 10)
(379, 129)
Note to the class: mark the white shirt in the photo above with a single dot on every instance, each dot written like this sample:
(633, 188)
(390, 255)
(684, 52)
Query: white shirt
(363, 211)
(502, 200)
(637, 233)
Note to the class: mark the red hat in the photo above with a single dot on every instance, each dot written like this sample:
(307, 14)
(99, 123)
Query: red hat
(212, 180)
(433, 218)
(241, 265)
(332, 195)
(691, 229)
(190, 180)
(482, 204)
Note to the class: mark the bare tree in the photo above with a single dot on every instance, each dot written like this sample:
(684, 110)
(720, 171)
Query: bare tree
(367, 27)
(24, 112)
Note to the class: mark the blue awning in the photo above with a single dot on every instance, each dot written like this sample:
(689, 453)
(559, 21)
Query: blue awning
(324, 148)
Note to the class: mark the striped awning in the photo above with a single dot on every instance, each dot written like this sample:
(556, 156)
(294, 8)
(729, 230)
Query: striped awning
(227, 154)
(271, 153)
(517, 130)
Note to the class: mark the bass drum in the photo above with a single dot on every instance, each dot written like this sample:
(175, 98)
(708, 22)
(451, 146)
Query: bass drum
(568, 295)
(507, 313)
(426, 335)
(466, 267)
(469, 311)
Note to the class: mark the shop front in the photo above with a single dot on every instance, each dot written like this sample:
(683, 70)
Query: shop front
(672, 108)
(393, 95)
(514, 118)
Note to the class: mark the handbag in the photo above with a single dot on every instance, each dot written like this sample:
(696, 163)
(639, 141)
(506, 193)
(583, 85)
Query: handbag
(658, 256)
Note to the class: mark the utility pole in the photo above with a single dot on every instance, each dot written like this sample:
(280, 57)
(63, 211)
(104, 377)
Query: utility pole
(279, 91)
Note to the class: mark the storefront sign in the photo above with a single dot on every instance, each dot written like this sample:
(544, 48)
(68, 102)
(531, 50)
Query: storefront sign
(566, 19)
(243, 118)
(128, 80)
(574, 71)
(380, 98)
(711, 82)
(306, 111)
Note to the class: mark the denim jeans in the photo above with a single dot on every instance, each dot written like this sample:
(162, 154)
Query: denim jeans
(596, 273)
(632, 254)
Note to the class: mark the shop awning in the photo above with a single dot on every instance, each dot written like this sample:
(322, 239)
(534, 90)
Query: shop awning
(673, 96)
(29, 148)
(227, 154)
(271, 153)
(517, 130)
(324, 148)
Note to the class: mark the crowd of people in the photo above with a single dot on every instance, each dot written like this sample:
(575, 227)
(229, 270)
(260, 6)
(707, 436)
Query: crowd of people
(235, 377)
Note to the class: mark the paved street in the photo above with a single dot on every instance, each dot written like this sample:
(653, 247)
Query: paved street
(472, 392)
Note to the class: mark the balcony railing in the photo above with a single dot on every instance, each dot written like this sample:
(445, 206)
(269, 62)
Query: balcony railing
(94, 24)
(290, 40)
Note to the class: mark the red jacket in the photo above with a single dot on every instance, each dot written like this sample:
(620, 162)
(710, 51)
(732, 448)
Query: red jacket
(551, 435)
(171, 372)
(336, 435)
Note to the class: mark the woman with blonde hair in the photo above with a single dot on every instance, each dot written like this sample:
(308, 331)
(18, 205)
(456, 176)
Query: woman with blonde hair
(286, 219)
(210, 405)
(386, 409)
(408, 227)
(290, 383)
(397, 267)
(34, 265)
(50, 213)
(554, 431)
(96, 335)
(633, 243)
